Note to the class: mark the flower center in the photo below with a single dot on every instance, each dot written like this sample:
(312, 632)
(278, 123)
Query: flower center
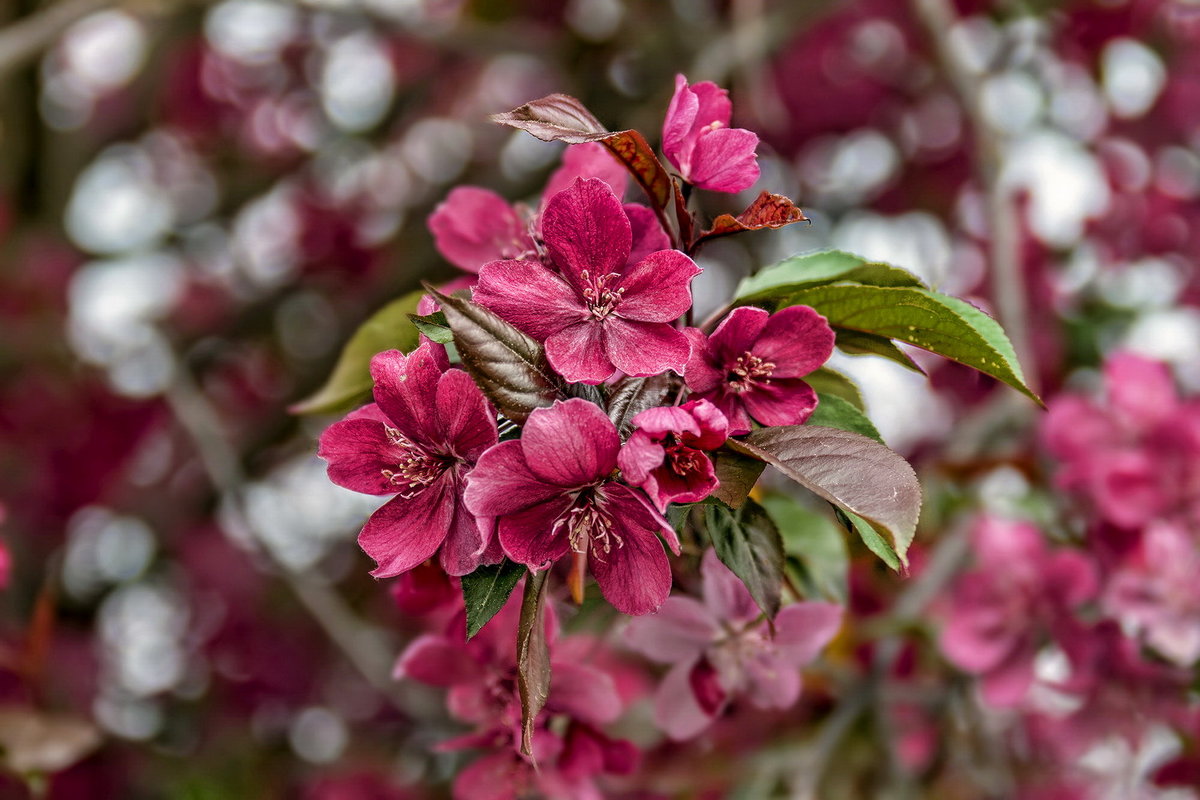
(600, 298)
(586, 523)
(415, 468)
(685, 461)
(747, 371)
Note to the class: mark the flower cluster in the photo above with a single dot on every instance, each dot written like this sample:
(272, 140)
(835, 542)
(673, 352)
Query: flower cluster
(628, 406)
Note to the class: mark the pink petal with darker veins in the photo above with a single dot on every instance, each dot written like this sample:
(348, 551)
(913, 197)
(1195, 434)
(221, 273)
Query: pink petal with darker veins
(586, 160)
(679, 631)
(645, 348)
(724, 160)
(530, 537)
(660, 421)
(712, 424)
(473, 226)
(736, 334)
(638, 457)
(468, 424)
(578, 353)
(659, 288)
(571, 444)
(463, 548)
(406, 531)
(681, 115)
(502, 483)
(648, 235)
(403, 388)
(500, 776)
(634, 576)
(637, 510)
(358, 450)
(701, 373)
(585, 228)
(787, 401)
(435, 661)
(797, 340)
(529, 296)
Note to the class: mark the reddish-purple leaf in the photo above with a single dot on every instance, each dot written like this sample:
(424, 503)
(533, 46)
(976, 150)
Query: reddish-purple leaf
(737, 475)
(768, 211)
(854, 472)
(562, 118)
(533, 657)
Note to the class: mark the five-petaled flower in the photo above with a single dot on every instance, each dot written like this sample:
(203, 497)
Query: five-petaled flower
(418, 439)
(721, 648)
(752, 365)
(596, 314)
(697, 139)
(553, 493)
(664, 454)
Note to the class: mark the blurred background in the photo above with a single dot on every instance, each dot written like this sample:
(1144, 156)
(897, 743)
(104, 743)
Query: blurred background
(200, 202)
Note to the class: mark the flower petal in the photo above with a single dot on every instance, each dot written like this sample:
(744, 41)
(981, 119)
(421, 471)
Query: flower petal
(529, 296)
(406, 531)
(724, 593)
(462, 551)
(530, 538)
(572, 444)
(473, 226)
(645, 348)
(648, 234)
(638, 457)
(802, 630)
(676, 710)
(787, 401)
(467, 422)
(724, 160)
(405, 387)
(677, 141)
(358, 450)
(703, 373)
(797, 339)
(584, 692)
(634, 575)
(680, 630)
(578, 352)
(659, 288)
(585, 228)
(586, 160)
(772, 682)
(712, 424)
(736, 334)
(436, 661)
(502, 483)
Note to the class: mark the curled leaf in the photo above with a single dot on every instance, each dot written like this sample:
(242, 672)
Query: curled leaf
(533, 657)
(767, 211)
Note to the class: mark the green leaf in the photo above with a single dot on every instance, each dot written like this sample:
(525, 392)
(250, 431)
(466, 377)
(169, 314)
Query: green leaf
(509, 366)
(486, 590)
(856, 343)
(434, 326)
(828, 381)
(533, 657)
(350, 382)
(834, 412)
(871, 538)
(935, 322)
(748, 542)
(736, 474)
(777, 283)
(814, 545)
(855, 473)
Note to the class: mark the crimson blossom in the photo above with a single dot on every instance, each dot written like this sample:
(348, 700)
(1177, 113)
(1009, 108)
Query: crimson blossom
(697, 139)
(553, 493)
(419, 438)
(753, 363)
(665, 453)
(596, 315)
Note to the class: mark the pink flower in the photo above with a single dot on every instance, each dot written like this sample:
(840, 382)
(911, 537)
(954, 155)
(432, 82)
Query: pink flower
(664, 455)
(417, 440)
(473, 226)
(586, 160)
(752, 365)
(1001, 613)
(1155, 591)
(595, 315)
(697, 139)
(722, 648)
(553, 494)
(5, 566)
(1136, 455)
